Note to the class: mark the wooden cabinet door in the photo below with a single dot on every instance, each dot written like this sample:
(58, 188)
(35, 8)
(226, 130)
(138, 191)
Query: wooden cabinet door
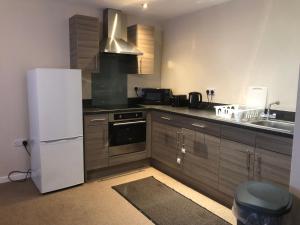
(272, 167)
(201, 160)
(165, 143)
(143, 37)
(235, 166)
(96, 142)
(84, 43)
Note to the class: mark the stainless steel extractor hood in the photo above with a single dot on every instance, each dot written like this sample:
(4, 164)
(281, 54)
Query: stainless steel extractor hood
(115, 34)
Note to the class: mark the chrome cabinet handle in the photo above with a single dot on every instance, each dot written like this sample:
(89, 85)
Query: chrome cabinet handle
(258, 167)
(97, 120)
(97, 69)
(165, 118)
(198, 125)
(248, 160)
(106, 138)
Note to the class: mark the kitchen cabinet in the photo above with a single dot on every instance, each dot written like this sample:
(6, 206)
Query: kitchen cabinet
(273, 159)
(201, 158)
(95, 141)
(236, 165)
(246, 155)
(143, 37)
(215, 159)
(84, 43)
(272, 167)
(165, 140)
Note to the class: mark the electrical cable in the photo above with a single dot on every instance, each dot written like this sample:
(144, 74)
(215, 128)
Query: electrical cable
(28, 172)
(25, 146)
(136, 91)
(27, 176)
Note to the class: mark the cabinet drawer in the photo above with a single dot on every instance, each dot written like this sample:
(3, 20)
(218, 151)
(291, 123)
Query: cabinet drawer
(275, 143)
(189, 123)
(239, 135)
(94, 120)
(201, 126)
(166, 118)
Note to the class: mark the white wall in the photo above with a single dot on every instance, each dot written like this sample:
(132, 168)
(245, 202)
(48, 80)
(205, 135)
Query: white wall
(34, 33)
(235, 45)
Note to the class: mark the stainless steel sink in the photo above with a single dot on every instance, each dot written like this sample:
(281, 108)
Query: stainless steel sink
(276, 125)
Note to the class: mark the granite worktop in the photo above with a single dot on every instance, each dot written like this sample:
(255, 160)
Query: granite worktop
(208, 115)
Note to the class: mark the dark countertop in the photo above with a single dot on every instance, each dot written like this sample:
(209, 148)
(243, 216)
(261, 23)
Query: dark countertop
(208, 115)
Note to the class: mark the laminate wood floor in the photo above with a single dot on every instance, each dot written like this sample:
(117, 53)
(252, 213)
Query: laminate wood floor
(94, 203)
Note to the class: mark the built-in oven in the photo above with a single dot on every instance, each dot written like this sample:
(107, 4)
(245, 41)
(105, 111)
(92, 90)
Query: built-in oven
(127, 132)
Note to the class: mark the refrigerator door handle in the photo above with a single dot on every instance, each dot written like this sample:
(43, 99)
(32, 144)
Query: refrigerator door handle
(63, 139)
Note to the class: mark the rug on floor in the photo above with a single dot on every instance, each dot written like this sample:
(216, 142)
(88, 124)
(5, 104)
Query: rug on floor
(165, 206)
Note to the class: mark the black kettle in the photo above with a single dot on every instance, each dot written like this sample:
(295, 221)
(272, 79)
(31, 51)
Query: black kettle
(195, 100)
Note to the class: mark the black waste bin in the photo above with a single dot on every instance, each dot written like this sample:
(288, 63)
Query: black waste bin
(258, 203)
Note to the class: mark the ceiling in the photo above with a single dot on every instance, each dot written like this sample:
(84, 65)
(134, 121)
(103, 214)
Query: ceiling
(159, 9)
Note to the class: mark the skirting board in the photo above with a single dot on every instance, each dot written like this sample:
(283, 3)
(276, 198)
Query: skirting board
(14, 177)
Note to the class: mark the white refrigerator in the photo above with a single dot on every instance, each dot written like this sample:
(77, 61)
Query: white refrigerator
(56, 133)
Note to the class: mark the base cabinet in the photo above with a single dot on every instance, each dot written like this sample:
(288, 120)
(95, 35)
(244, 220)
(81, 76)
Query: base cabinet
(165, 143)
(236, 165)
(216, 159)
(201, 158)
(95, 142)
(272, 167)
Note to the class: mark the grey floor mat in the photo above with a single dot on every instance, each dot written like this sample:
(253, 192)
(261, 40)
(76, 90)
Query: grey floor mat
(164, 206)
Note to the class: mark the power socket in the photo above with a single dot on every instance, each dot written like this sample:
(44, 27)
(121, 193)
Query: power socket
(211, 91)
(19, 142)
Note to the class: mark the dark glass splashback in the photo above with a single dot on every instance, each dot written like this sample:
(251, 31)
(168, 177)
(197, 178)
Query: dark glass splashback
(109, 87)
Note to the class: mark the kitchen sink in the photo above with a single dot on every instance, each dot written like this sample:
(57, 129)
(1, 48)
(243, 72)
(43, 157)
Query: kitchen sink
(276, 125)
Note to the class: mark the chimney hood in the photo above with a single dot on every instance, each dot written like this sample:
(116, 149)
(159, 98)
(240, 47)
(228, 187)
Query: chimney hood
(115, 34)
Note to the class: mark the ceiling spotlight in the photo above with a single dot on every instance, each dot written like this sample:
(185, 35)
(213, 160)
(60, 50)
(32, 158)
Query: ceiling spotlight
(145, 6)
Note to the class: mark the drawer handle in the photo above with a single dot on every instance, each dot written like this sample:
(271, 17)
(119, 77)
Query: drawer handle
(258, 167)
(198, 125)
(165, 118)
(97, 120)
(248, 160)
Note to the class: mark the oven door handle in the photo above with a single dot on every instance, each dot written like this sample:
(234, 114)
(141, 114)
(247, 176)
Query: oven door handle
(128, 123)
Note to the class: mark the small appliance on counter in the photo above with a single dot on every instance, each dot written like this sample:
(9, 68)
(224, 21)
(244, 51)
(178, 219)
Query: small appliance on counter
(195, 100)
(179, 101)
(155, 96)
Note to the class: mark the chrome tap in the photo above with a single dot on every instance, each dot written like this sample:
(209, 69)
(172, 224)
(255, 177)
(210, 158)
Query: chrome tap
(268, 115)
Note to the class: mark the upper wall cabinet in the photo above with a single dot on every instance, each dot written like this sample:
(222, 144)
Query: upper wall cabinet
(84, 43)
(143, 37)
